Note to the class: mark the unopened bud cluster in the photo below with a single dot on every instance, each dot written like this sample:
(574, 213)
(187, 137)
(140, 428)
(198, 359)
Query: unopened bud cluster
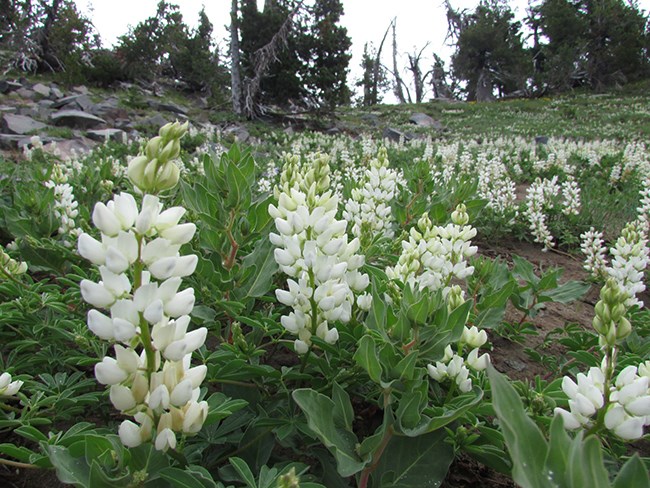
(155, 171)
(434, 254)
(369, 210)
(65, 205)
(610, 321)
(141, 272)
(313, 250)
(9, 266)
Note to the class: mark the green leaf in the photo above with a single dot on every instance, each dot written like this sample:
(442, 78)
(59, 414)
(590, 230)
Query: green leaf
(406, 367)
(568, 292)
(180, 478)
(417, 462)
(633, 474)
(408, 412)
(526, 444)
(343, 412)
(523, 269)
(244, 471)
(21, 453)
(366, 357)
(69, 469)
(341, 442)
(263, 261)
(585, 462)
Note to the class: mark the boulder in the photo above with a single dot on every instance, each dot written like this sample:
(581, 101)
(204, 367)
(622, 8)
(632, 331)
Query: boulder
(424, 120)
(10, 141)
(74, 102)
(102, 135)
(395, 135)
(20, 124)
(168, 107)
(81, 89)
(26, 93)
(9, 86)
(239, 132)
(55, 93)
(41, 89)
(541, 140)
(371, 119)
(76, 119)
(156, 120)
(69, 148)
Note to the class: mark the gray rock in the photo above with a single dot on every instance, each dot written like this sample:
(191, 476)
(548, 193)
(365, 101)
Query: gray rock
(81, 89)
(424, 120)
(10, 141)
(372, 119)
(20, 124)
(156, 120)
(55, 92)
(76, 119)
(41, 89)
(395, 135)
(9, 86)
(168, 107)
(102, 135)
(541, 140)
(239, 132)
(26, 93)
(69, 148)
(6, 109)
(75, 102)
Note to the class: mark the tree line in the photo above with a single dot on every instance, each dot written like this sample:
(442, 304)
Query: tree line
(296, 52)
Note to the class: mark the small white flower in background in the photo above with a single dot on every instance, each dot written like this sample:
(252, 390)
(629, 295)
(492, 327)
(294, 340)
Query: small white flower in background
(571, 196)
(630, 258)
(592, 246)
(369, 210)
(8, 387)
(65, 205)
(434, 255)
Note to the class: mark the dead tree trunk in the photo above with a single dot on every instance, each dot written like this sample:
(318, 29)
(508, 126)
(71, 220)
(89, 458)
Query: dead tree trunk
(397, 84)
(419, 79)
(235, 61)
(262, 59)
(374, 92)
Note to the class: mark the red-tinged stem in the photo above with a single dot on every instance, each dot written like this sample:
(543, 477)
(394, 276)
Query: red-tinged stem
(365, 475)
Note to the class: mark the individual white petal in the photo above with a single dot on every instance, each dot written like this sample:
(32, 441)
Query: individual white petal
(181, 304)
(116, 262)
(185, 265)
(300, 346)
(179, 234)
(148, 215)
(169, 218)
(130, 434)
(91, 249)
(122, 398)
(125, 209)
(639, 406)
(195, 416)
(96, 294)
(154, 312)
(159, 398)
(195, 338)
(100, 325)
(181, 393)
(196, 375)
(570, 421)
(123, 330)
(166, 439)
(163, 268)
(108, 372)
(105, 220)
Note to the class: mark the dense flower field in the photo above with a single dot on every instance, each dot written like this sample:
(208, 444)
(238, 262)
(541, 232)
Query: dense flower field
(317, 311)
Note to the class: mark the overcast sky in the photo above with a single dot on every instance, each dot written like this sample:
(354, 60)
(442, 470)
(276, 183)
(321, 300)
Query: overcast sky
(418, 22)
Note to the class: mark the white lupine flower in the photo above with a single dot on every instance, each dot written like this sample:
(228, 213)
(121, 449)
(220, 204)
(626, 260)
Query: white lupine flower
(313, 250)
(8, 387)
(473, 337)
(152, 237)
(593, 249)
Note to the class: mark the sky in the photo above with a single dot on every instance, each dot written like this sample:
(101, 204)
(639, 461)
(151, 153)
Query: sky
(418, 22)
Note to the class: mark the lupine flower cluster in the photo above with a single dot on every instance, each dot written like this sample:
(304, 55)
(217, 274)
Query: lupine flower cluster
(597, 400)
(542, 195)
(7, 387)
(141, 270)
(65, 205)
(592, 246)
(453, 366)
(434, 254)
(369, 209)
(495, 185)
(313, 250)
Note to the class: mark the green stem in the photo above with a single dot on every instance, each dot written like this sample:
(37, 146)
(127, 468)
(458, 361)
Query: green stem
(16, 464)
(145, 334)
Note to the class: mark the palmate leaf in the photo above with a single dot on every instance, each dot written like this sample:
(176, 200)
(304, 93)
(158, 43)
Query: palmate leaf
(320, 412)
